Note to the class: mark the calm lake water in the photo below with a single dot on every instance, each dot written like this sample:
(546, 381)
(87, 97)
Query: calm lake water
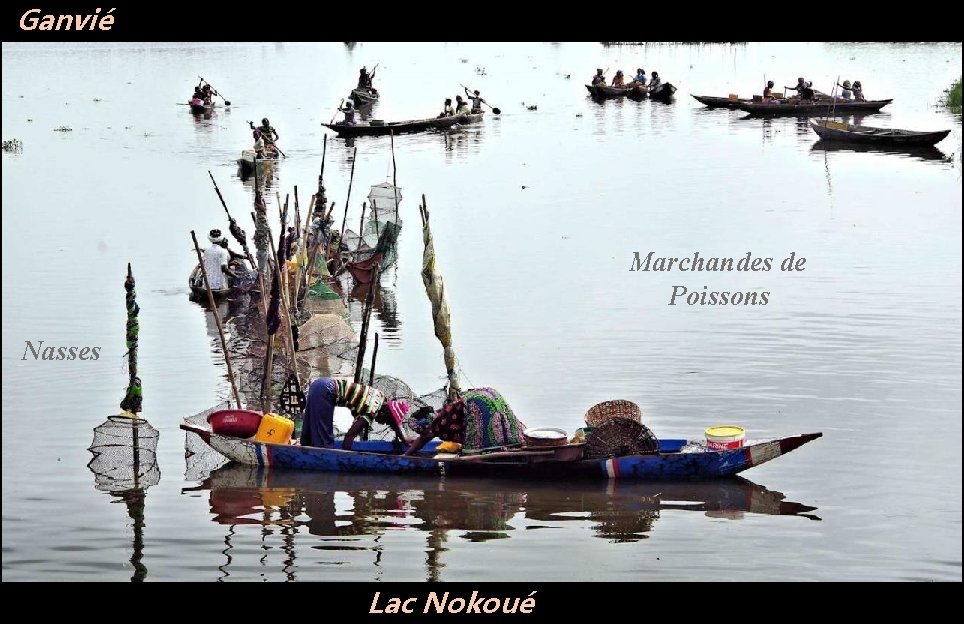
(536, 215)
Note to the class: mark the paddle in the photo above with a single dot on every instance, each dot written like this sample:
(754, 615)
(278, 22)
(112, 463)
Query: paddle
(496, 111)
(227, 102)
(337, 108)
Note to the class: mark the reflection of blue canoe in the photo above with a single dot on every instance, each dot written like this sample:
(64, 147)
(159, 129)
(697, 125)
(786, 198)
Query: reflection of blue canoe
(559, 462)
(541, 500)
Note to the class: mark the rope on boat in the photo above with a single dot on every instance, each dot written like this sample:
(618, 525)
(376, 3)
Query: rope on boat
(132, 400)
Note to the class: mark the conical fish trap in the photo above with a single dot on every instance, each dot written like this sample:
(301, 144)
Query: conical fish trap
(609, 410)
(619, 437)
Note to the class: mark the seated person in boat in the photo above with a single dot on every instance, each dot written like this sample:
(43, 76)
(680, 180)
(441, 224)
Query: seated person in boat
(654, 82)
(599, 78)
(217, 259)
(479, 418)
(619, 80)
(198, 98)
(447, 110)
(207, 94)
(349, 112)
(768, 91)
(640, 78)
(846, 92)
(461, 106)
(476, 100)
(858, 90)
(803, 88)
(365, 79)
(367, 404)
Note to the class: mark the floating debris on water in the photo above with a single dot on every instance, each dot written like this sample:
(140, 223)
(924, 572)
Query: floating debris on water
(13, 145)
(63, 129)
(533, 107)
(98, 100)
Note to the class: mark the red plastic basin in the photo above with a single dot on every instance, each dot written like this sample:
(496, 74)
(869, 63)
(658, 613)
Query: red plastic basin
(235, 423)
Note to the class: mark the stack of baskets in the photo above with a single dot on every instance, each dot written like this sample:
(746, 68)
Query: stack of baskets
(615, 429)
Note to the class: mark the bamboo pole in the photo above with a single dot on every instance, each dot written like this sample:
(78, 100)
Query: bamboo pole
(217, 319)
(371, 375)
(361, 228)
(394, 174)
(269, 349)
(286, 319)
(351, 178)
(366, 316)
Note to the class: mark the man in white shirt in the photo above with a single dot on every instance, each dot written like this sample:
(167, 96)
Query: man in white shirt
(216, 259)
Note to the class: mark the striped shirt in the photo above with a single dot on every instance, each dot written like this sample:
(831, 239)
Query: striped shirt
(362, 400)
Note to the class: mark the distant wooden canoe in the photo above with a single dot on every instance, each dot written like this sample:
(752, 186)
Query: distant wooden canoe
(364, 96)
(810, 109)
(399, 127)
(603, 92)
(837, 131)
(718, 102)
(920, 152)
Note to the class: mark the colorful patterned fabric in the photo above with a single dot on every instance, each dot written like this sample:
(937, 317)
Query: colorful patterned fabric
(480, 418)
(362, 400)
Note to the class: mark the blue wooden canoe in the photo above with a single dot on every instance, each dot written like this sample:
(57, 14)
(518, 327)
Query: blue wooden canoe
(559, 462)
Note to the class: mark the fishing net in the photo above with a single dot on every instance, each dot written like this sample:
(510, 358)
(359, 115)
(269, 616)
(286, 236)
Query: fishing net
(619, 437)
(200, 458)
(125, 455)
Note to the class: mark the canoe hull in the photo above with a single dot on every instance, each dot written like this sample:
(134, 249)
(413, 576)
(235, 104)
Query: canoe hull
(378, 458)
(664, 92)
(783, 108)
(718, 102)
(400, 127)
(248, 162)
(605, 92)
(364, 96)
(876, 136)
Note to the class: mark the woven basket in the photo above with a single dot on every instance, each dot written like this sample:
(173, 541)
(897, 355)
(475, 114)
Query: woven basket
(608, 410)
(620, 437)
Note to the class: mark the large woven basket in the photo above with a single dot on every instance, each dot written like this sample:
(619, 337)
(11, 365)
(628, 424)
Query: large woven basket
(608, 410)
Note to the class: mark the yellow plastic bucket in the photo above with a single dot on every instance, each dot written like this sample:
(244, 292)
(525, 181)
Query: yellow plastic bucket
(725, 437)
(276, 429)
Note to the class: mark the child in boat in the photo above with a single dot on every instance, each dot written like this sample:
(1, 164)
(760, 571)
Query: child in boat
(367, 405)
(768, 91)
(618, 80)
(858, 90)
(599, 78)
(640, 78)
(447, 110)
(654, 82)
(461, 107)
(349, 112)
(476, 100)
(479, 418)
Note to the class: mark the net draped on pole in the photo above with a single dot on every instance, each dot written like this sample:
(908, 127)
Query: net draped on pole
(435, 289)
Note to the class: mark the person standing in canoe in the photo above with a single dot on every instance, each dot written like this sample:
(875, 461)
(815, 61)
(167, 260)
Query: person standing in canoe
(599, 78)
(365, 79)
(349, 112)
(476, 100)
(268, 133)
(479, 418)
(367, 404)
(618, 80)
(217, 259)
